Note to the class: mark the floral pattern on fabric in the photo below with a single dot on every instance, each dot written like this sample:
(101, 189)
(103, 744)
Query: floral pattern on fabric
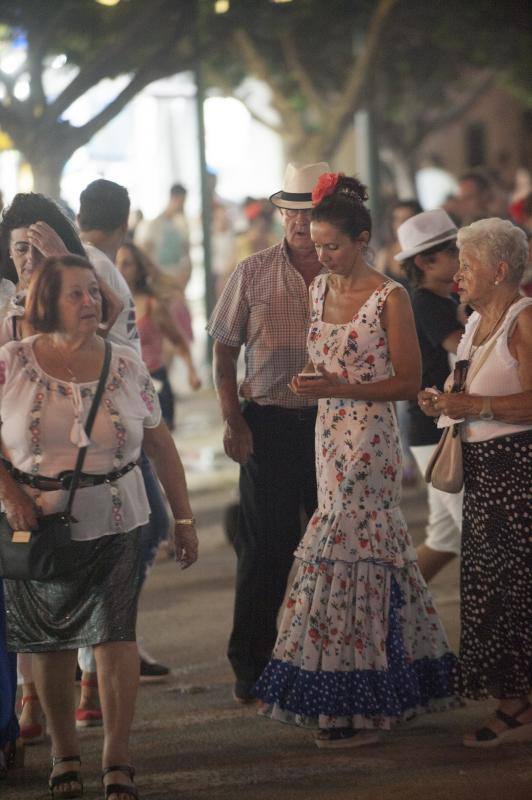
(360, 642)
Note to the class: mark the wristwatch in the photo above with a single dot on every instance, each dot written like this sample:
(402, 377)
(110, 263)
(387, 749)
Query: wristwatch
(486, 410)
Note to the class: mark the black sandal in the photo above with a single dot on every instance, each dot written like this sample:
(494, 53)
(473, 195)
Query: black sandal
(516, 731)
(73, 776)
(120, 788)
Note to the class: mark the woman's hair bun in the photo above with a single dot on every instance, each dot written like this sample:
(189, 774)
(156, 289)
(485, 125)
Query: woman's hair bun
(353, 188)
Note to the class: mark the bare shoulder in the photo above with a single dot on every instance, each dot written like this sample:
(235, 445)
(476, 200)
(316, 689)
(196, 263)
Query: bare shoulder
(398, 297)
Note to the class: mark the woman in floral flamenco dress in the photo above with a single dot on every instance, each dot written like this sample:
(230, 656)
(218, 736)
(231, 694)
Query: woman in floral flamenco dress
(360, 645)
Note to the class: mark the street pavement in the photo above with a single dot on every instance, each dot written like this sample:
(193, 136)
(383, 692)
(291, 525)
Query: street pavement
(191, 741)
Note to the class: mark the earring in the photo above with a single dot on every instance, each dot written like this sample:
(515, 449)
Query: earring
(495, 283)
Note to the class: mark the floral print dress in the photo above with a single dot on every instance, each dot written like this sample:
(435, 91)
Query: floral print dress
(360, 643)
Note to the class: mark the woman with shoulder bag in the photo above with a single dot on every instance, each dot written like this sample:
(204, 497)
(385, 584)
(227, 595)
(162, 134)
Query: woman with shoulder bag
(495, 415)
(47, 385)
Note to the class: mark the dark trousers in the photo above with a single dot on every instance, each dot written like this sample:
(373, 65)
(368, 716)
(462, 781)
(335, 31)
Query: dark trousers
(166, 396)
(276, 483)
(156, 529)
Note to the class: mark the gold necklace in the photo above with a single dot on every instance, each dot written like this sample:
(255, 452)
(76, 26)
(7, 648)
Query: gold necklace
(494, 327)
(73, 378)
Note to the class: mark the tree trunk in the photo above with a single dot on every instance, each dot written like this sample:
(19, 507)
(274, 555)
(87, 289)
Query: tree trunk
(403, 168)
(47, 175)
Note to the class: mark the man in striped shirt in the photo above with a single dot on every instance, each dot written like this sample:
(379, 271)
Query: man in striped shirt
(268, 430)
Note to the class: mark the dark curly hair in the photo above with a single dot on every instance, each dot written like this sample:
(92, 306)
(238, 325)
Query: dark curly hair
(415, 275)
(25, 210)
(345, 208)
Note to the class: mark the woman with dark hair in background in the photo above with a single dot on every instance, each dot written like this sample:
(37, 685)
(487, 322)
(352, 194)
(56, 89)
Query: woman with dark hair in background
(360, 645)
(154, 325)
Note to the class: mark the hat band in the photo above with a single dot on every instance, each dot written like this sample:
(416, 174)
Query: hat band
(294, 197)
(439, 236)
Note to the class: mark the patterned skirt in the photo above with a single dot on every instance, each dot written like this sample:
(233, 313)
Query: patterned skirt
(496, 579)
(96, 604)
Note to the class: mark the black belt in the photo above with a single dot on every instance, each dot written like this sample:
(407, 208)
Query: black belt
(302, 414)
(63, 480)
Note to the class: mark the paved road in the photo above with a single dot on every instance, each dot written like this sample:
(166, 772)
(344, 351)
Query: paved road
(192, 742)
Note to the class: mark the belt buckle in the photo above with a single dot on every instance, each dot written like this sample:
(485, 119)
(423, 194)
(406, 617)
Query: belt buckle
(65, 478)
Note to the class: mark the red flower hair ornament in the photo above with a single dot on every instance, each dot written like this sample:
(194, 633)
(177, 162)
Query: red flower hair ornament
(325, 185)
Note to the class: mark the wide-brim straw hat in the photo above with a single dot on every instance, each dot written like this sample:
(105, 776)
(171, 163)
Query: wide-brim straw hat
(298, 184)
(424, 231)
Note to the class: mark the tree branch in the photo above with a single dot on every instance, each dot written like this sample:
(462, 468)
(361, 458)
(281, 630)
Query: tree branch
(257, 66)
(299, 72)
(107, 61)
(341, 113)
(455, 111)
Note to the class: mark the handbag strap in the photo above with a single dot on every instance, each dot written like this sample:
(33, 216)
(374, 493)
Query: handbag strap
(88, 425)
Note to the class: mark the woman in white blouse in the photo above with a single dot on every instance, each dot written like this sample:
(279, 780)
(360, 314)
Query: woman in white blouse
(46, 386)
(495, 411)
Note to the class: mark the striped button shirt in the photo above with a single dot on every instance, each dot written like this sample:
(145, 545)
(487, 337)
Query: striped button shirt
(265, 307)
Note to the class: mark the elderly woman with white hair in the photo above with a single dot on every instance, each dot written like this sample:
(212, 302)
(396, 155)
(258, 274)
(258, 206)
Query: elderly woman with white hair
(496, 408)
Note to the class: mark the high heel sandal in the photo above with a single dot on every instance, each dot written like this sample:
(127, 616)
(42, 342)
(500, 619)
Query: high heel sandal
(72, 776)
(88, 717)
(120, 788)
(34, 732)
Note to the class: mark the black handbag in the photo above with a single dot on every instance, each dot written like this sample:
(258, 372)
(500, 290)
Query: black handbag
(48, 553)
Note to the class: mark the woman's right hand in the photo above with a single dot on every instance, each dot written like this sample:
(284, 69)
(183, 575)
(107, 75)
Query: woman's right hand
(21, 511)
(186, 545)
(426, 399)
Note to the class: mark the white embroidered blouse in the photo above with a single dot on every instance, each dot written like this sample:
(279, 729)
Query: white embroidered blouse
(42, 419)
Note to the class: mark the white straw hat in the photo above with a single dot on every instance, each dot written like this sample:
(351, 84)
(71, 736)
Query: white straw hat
(424, 231)
(298, 184)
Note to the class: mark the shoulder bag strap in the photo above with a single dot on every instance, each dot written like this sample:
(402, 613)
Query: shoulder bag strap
(88, 425)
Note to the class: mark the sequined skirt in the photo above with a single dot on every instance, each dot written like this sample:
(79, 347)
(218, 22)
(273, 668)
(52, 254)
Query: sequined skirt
(96, 604)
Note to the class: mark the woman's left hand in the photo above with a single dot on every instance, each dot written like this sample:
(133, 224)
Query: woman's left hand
(455, 405)
(186, 545)
(316, 388)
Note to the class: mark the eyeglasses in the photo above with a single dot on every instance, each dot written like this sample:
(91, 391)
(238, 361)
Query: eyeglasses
(291, 213)
(460, 374)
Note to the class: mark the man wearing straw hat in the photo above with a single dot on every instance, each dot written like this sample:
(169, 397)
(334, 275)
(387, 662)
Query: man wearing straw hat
(268, 430)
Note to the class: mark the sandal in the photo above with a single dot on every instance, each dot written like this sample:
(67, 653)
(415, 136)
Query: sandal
(345, 737)
(72, 776)
(516, 731)
(120, 788)
(34, 732)
(89, 717)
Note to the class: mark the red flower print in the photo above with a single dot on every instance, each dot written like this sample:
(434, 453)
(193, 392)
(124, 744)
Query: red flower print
(343, 584)
(337, 539)
(290, 603)
(353, 334)
(359, 645)
(370, 359)
(365, 457)
(313, 633)
(334, 631)
(364, 542)
(342, 412)
(325, 185)
(310, 569)
(339, 477)
(376, 439)
(381, 342)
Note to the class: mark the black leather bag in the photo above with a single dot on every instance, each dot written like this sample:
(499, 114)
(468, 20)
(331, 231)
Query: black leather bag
(48, 553)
